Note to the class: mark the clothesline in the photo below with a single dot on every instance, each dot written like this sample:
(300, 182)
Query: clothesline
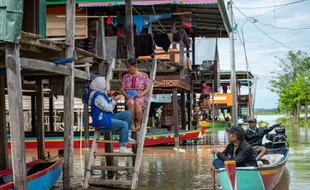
(114, 16)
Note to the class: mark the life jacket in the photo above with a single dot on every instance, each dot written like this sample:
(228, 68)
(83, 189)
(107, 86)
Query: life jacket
(100, 117)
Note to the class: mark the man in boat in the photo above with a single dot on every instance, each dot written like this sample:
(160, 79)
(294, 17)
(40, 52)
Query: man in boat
(254, 136)
(102, 112)
(237, 149)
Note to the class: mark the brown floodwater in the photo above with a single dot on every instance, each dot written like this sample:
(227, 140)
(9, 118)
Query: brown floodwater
(166, 169)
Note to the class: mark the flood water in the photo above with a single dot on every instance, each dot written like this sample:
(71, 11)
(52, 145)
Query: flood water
(165, 169)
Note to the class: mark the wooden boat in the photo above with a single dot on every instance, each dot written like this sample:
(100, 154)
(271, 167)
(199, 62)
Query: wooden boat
(264, 177)
(40, 175)
(151, 139)
(217, 124)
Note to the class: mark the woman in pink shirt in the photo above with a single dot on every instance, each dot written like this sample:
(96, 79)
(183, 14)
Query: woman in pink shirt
(135, 86)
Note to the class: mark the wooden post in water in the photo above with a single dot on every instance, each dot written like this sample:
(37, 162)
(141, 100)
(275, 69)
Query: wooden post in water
(40, 119)
(51, 112)
(86, 117)
(4, 161)
(16, 116)
(189, 109)
(69, 98)
(129, 29)
(183, 113)
(176, 117)
(33, 115)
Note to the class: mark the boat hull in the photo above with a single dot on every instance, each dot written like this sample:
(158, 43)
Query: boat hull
(151, 139)
(265, 178)
(217, 125)
(43, 180)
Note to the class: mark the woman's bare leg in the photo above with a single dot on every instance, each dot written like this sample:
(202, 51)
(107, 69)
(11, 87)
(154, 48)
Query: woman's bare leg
(139, 114)
(131, 107)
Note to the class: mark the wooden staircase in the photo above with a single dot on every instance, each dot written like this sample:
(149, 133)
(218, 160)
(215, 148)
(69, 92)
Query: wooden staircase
(111, 173)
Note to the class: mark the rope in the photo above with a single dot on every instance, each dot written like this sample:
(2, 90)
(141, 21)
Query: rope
(91, 171)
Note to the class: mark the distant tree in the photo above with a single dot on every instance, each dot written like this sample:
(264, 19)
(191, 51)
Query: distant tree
(292, 83)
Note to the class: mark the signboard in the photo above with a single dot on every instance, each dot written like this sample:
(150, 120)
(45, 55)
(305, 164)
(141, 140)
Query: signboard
(162, 98)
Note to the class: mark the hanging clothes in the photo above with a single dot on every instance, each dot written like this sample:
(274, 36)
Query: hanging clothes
(143, 45)
(143, 21)
(138, 20)
(149, 19)
(181, 35)
(186, 21)
(109, 20)
(162, 40)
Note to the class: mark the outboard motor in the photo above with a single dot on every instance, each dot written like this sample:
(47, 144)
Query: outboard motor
(278, 140)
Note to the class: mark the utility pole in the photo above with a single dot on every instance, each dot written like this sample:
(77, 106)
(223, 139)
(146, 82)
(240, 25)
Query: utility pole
(233, 86)
(247, 69)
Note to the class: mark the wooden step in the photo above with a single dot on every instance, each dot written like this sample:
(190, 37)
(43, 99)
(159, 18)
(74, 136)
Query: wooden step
(115, 183)
(111, 141)
(113, 168)
(116, 154)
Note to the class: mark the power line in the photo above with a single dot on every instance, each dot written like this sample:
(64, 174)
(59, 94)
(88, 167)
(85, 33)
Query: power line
(274, 6)
(253, 22)
(284, 28)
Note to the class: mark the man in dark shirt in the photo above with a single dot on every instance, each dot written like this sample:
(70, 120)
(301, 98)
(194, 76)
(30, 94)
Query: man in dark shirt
(238, 150)
(254, 136)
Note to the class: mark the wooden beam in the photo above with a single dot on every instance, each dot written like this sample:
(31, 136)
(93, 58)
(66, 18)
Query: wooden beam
(40, 119)
(176, 117)
(182, 71)
(69, 98)
(129, 29)
(44, 66)
(4, 159)
(16, 115)
(51, 67)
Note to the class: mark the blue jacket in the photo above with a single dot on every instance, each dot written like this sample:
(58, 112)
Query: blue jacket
(100, 117)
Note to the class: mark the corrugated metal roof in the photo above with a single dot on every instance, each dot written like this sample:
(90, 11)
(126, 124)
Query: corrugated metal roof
(146, 3)
(11, 16)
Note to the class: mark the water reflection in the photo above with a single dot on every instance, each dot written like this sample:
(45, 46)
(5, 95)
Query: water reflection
(166, 169)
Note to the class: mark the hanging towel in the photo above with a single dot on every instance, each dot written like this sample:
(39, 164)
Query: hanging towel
(143, 45)
(162, 40)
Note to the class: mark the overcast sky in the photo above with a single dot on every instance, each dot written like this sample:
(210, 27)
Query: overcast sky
(261, 50)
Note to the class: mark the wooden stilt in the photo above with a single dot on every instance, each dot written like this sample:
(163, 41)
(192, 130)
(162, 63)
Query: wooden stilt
(129, 29)
(69, 98)
(86, 116)
(33, 115)
(40, 119)
(4, 162)
(51, 112)
(183, 112)
(176, 117)
(16, 116)
(101, 46)
(189, 110)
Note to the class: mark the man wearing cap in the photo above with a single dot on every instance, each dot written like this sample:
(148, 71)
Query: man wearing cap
(237, 149)
(254, 136)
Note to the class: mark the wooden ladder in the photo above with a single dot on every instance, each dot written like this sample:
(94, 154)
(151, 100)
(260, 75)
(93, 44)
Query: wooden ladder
(113, 180)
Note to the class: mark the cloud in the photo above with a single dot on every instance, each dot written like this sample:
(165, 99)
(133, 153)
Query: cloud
(261, 50)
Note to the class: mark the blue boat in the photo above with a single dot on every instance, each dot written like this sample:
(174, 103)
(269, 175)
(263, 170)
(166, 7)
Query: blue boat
(40, 175)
